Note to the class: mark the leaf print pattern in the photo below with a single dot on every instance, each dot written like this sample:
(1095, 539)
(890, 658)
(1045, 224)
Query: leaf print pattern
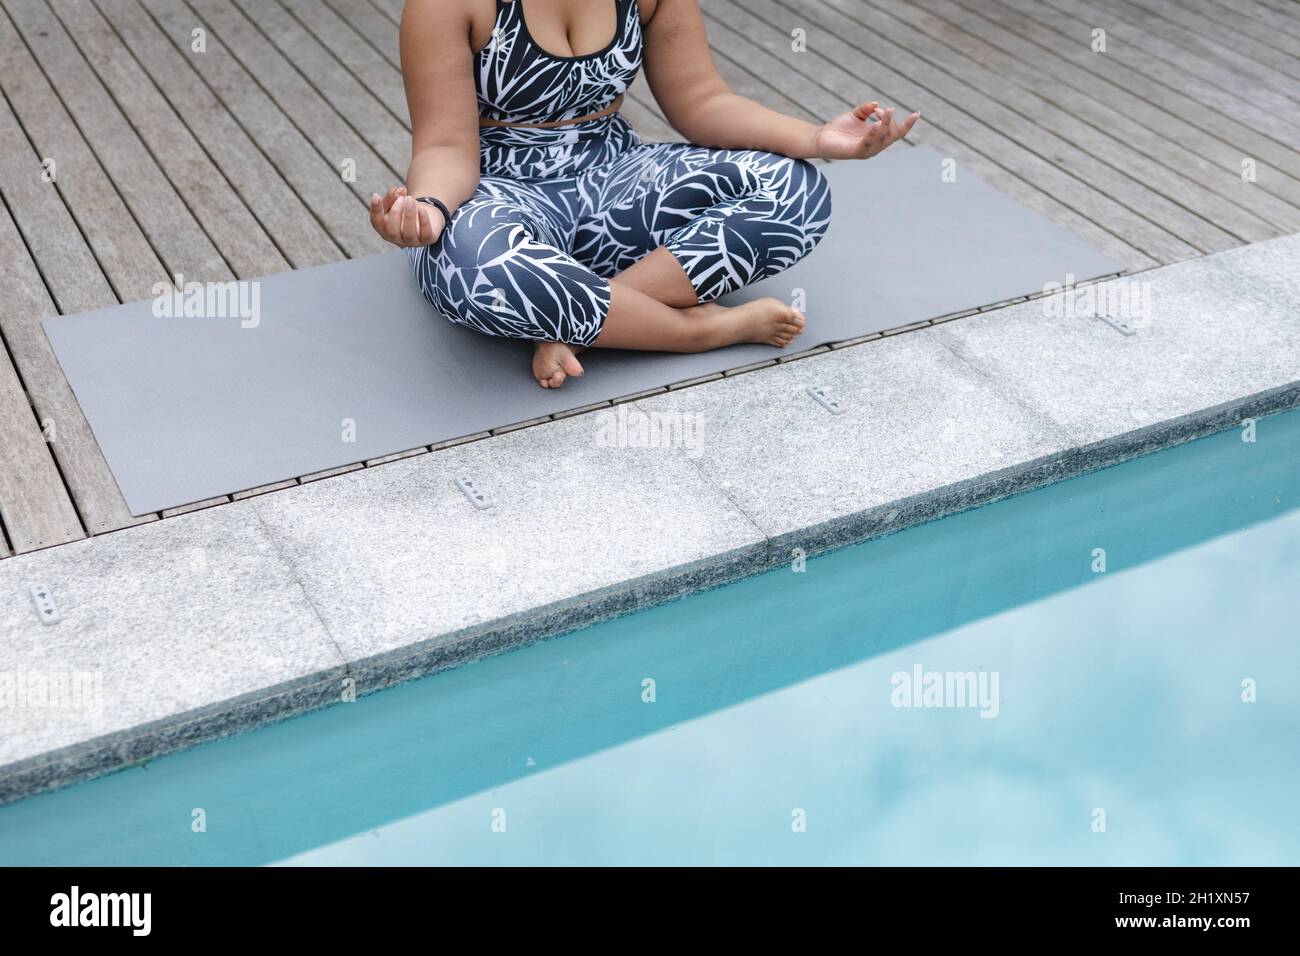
(557, 213)
(519, 82)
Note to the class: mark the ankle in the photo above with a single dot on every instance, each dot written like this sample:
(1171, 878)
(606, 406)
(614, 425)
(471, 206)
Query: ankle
(710, 332)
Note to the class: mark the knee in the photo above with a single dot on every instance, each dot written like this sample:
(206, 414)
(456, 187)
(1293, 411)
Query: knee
(478, 234)
(689, 188)
(803, 194)
(451, 274)
(490, 274)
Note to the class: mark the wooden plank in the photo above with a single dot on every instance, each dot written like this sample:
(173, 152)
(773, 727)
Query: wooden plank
(196, 506)
(1287, 8)
(330, 473)
(119, 247)
(1280, 16)
(999, 134)
(392, 9)
(1247, 19)
(1095, 128)
(1045, 24)
(357, 55)
(292, 226)
(337, 207)
(335, 141)
(58, 241)
(45, 223)
(1262, 110)
(1192, 43)
(837, 39)
(399, 456)
(363, 111)
(1232, 40)
(378, 30)
(34, 506)
(264, 489)
(177, 237)
(837, 66)
(1183, 146)
(744, 83)
(104, 47)
(243, 244)
(816, 100)
(1036, 125)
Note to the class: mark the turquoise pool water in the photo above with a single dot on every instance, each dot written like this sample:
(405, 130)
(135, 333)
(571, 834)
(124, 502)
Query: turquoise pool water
(774, 734)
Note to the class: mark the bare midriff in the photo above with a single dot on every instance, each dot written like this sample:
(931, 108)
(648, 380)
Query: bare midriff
(611, 108)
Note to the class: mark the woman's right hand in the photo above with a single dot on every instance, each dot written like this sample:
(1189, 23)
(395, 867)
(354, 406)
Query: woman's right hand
(403, 221)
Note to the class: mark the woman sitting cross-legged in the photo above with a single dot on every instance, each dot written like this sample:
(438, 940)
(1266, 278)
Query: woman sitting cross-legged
(533, 211)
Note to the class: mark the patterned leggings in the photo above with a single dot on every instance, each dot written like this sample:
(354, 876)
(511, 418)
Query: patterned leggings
(558, 212)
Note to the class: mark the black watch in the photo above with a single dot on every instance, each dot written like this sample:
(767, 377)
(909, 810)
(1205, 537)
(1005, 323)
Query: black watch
(439, 205)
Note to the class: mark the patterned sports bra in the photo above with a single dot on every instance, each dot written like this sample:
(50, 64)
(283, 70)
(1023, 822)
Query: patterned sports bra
(520, 82)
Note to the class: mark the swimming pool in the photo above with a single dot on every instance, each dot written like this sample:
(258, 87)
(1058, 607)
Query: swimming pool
(1129, 634)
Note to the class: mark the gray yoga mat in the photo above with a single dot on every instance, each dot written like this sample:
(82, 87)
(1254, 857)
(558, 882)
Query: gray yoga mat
(186, 409)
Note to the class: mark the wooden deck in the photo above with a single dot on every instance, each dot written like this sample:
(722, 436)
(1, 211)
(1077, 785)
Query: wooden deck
(127, 156)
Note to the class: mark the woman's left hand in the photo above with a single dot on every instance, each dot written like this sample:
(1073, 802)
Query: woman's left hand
(861, 133)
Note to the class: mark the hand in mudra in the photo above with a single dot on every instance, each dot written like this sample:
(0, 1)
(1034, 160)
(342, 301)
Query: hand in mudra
(861, 133)
(403, 221)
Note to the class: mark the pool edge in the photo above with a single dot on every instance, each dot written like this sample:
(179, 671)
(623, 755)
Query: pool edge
(443, 649)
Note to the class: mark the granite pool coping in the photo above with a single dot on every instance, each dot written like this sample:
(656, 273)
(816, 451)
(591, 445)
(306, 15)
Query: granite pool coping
(213, 622)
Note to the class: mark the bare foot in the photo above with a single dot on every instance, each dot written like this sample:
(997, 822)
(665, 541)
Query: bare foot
(554, 362)
(762, 322)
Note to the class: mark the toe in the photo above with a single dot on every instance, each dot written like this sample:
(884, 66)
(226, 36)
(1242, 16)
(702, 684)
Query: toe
(569, 365)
